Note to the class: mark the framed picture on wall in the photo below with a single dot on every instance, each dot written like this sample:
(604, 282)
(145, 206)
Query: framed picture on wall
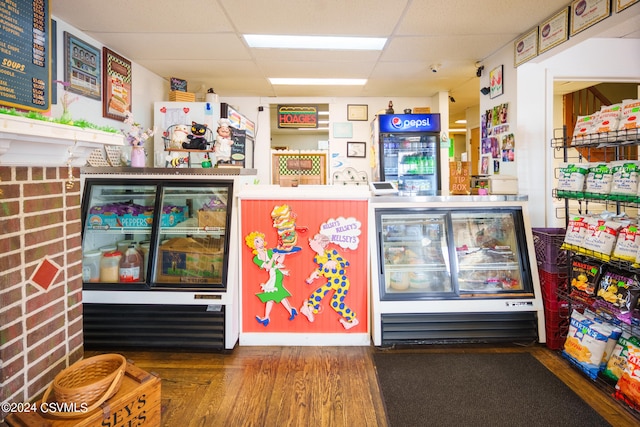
(357, 112)
(117, 85)
(356, 149)
(554, 30)
(526, 47)
(495, 76)
(81, 67)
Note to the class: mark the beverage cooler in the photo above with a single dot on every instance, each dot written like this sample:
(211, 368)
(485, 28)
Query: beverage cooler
(156, 266)
(452, 270)
(409, 152)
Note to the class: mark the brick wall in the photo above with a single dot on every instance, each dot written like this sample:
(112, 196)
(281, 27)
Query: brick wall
(40, 279)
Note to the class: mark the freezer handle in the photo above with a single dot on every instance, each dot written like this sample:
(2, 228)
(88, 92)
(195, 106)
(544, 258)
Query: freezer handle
(380, 253)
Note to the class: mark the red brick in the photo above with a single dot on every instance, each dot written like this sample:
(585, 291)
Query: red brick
(74, 251)
(51, 327)
(44, 235)
(11, 387)
(50, 349)
(9, 261)
(11, 351)
(73, 228)
(75, 327)
(42, 220)
(34, 304)
(74, 298)
(76, 341)
(74, 313)
(52, 173)
(74, 270)
(5, 173)
(36, 319)
(42, 204)
(9, 244)
(9, 369)
(22, 173)
(8, 315)
(74, 242)
(10, 191)
(75, 354)
(9, 333)
(73, 200)
(8, 293)
(37, 173)
(11, 225)
(9, 209)
(51, 249)
(45, 379)
(47, 188)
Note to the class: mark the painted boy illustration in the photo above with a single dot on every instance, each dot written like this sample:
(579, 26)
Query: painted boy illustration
(332, 267)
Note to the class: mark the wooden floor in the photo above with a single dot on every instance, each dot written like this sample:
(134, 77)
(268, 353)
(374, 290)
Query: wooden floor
(309, 386)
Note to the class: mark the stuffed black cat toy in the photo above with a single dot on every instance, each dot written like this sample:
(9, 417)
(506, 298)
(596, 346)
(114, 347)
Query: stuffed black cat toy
(197, 140)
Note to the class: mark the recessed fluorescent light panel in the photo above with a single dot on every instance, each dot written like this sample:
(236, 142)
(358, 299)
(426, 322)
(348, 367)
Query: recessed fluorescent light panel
(314, 42)
(318, 82)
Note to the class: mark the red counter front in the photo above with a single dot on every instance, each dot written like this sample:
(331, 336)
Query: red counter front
(304, 266)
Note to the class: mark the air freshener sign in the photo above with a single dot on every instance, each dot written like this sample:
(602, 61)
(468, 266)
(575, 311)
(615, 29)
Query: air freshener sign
(25, 67)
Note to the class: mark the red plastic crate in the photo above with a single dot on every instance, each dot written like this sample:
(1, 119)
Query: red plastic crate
(547, 242)
(556, 327)
(551, 283)
(556, 339)
(555, 305)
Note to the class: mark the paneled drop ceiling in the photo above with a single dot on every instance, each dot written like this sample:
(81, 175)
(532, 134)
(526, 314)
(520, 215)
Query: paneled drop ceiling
(201, 41)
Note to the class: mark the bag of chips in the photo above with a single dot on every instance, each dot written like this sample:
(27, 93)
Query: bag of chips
(584, 276)
(617, 294)
(601, 237)
(576, 232)
(586, 343)
(628, 386)
(584, 128)
(618, 359)
(628, 243)
(571, 179)
(598, 180)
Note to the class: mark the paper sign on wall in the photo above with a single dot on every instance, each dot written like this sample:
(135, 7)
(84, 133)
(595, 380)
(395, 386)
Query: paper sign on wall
(343, 232)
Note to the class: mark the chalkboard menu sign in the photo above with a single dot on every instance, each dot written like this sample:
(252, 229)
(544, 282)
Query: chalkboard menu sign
(25, 54)
(238, 147)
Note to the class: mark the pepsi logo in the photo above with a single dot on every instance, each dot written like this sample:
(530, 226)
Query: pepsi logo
(396, 122)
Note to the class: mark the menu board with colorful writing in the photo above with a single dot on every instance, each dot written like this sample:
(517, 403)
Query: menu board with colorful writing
(25, 51)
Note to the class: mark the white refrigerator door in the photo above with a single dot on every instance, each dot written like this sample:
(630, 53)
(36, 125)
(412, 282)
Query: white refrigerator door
(166, 114)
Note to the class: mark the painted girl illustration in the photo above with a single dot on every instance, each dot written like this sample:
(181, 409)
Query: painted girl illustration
(273, 291)
(331, 266)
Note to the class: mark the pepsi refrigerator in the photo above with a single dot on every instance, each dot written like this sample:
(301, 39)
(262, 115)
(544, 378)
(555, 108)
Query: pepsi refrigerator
(409, 152)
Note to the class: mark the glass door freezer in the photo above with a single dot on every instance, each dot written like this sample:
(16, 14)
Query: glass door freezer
(453, 269)
(157, 269)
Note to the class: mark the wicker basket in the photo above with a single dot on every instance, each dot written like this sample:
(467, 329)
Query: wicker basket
(88, 382)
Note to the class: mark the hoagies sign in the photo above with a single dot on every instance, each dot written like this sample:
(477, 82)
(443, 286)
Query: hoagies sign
(297, 116)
